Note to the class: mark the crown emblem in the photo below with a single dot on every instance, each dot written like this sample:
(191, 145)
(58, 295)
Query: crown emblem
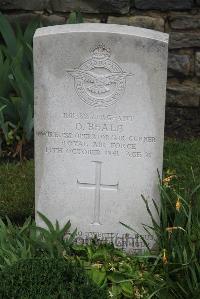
(100, 52)
(99, 81)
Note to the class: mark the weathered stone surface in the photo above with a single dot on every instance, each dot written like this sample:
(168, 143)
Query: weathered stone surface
(147, 22)
(24, 4)
(197, 64)
(164, 4)
(185, 22)
(91, 6)
(184, 40)
(185, 94)
(99, 122)
(88, 6)
(156, 23)
(52, 20)
(91, 20)
(118, 20)
(179, 65)
(182, 122)
(25, 18)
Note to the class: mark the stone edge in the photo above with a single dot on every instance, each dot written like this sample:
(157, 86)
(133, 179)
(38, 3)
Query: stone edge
(103, 28)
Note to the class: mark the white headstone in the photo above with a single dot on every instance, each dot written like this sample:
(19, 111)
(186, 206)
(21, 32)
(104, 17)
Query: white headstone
(99, 126)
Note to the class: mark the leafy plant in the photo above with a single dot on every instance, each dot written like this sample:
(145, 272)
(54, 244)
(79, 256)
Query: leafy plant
(124, 276)
(178, 238)
(180, 241)
(47, 278)
(54, 240)
(16, 82)
(14, 243)
(75, 17)
(30, 241)
(16, 89)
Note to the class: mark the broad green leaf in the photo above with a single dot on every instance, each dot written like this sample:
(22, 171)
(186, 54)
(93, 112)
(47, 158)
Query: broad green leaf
(70, 240)
(2, 107)
(8, 35)
(127, 288)
(26, 225)
(1, 58)
(28, 124)
(47, 222)
(117, 277)
(66, 228)
(115, 291)
(5, 86)
(30, 30)
(98, 276)
(20, 83)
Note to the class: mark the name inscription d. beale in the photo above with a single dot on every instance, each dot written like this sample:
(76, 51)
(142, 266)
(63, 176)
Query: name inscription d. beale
(99, 123)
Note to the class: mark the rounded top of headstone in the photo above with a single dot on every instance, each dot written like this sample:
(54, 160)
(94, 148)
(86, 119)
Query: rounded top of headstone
(103, 28)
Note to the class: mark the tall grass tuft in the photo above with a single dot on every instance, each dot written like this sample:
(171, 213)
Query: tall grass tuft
(178, 237)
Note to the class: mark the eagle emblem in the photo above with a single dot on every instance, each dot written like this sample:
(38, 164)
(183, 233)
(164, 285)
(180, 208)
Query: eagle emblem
(99, 82)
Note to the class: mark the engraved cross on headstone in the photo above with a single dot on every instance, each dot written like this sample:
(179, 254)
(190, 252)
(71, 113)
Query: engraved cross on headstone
(97, 186)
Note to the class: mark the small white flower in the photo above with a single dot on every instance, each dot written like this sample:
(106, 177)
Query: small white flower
(110, 294)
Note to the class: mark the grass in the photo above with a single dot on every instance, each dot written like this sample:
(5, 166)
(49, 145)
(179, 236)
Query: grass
(182, 158)
(17, 190)
(17, 180)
